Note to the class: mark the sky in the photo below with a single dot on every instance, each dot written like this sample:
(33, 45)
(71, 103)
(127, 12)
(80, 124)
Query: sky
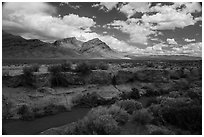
(135, 28)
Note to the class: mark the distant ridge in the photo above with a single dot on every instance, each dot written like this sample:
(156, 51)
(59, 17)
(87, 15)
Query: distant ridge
(70, 48)
(18, 47)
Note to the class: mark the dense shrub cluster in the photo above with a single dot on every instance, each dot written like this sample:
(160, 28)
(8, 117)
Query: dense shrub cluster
(25, 112)
(181, 112)
(91, 100)
(6, 107)
(142, 116)
(35, 67)
(99, 121)
(184, 113)
(83, 68)
(151, 92)
(134, 94)
(129, 105)
(101, 125)
(65, 67)
(103, 66)
(57, 78)
(27, 78)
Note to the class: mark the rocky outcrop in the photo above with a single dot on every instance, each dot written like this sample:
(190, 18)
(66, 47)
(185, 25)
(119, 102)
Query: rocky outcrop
(71, 42)
(95, 45)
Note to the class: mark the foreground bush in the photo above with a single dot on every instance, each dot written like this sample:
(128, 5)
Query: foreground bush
(102, 125)
(129, 105)
(183, 113)
(120, 115)
(99, 121)
(156, 130)
(142, 116)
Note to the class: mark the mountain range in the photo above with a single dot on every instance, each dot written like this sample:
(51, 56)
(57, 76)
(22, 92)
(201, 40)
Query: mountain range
(70, 48)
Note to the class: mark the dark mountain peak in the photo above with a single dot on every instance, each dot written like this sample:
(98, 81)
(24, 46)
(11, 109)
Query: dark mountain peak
(95, 45)
(95, 41)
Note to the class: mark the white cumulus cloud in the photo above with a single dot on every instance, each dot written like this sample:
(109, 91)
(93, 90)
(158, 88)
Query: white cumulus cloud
(171, 41)
(189, 40)
(132, 7)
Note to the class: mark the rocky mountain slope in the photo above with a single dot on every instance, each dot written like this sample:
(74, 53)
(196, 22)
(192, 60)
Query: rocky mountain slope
(18, 47)
(71, 42)
(69, 48)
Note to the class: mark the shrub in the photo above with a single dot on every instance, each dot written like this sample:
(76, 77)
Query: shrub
(161, 131)
(129, 105)
(55, 69)
(183, 113)
(134, 94)
(28, 79)
(35, 67)
(57, 78)
(89, 125)
(150, 64)
(151, 101)
(103, 66)
(92, 66)
(88, 99)
(83, 69)
(120, 115)
(25, 113)
(98, 121)
(53, 109)
(4, 131)
(142, 116)
(66, 67)
(105, 125)
(6, 108)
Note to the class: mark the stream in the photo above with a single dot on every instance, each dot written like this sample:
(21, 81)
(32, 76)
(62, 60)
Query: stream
(20, 127)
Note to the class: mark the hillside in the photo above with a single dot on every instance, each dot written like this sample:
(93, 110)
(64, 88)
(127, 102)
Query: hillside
(18, 47)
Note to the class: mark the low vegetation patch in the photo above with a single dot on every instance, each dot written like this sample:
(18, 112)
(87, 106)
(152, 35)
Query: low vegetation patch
(134, 94)
(91, 100)
(57, 78)
(52, 109)
(83, 68)
(129, 105)
(6, 108)
(28, 78)
(183, 113)
(25, 112)
(99, 121)
(142, 116)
